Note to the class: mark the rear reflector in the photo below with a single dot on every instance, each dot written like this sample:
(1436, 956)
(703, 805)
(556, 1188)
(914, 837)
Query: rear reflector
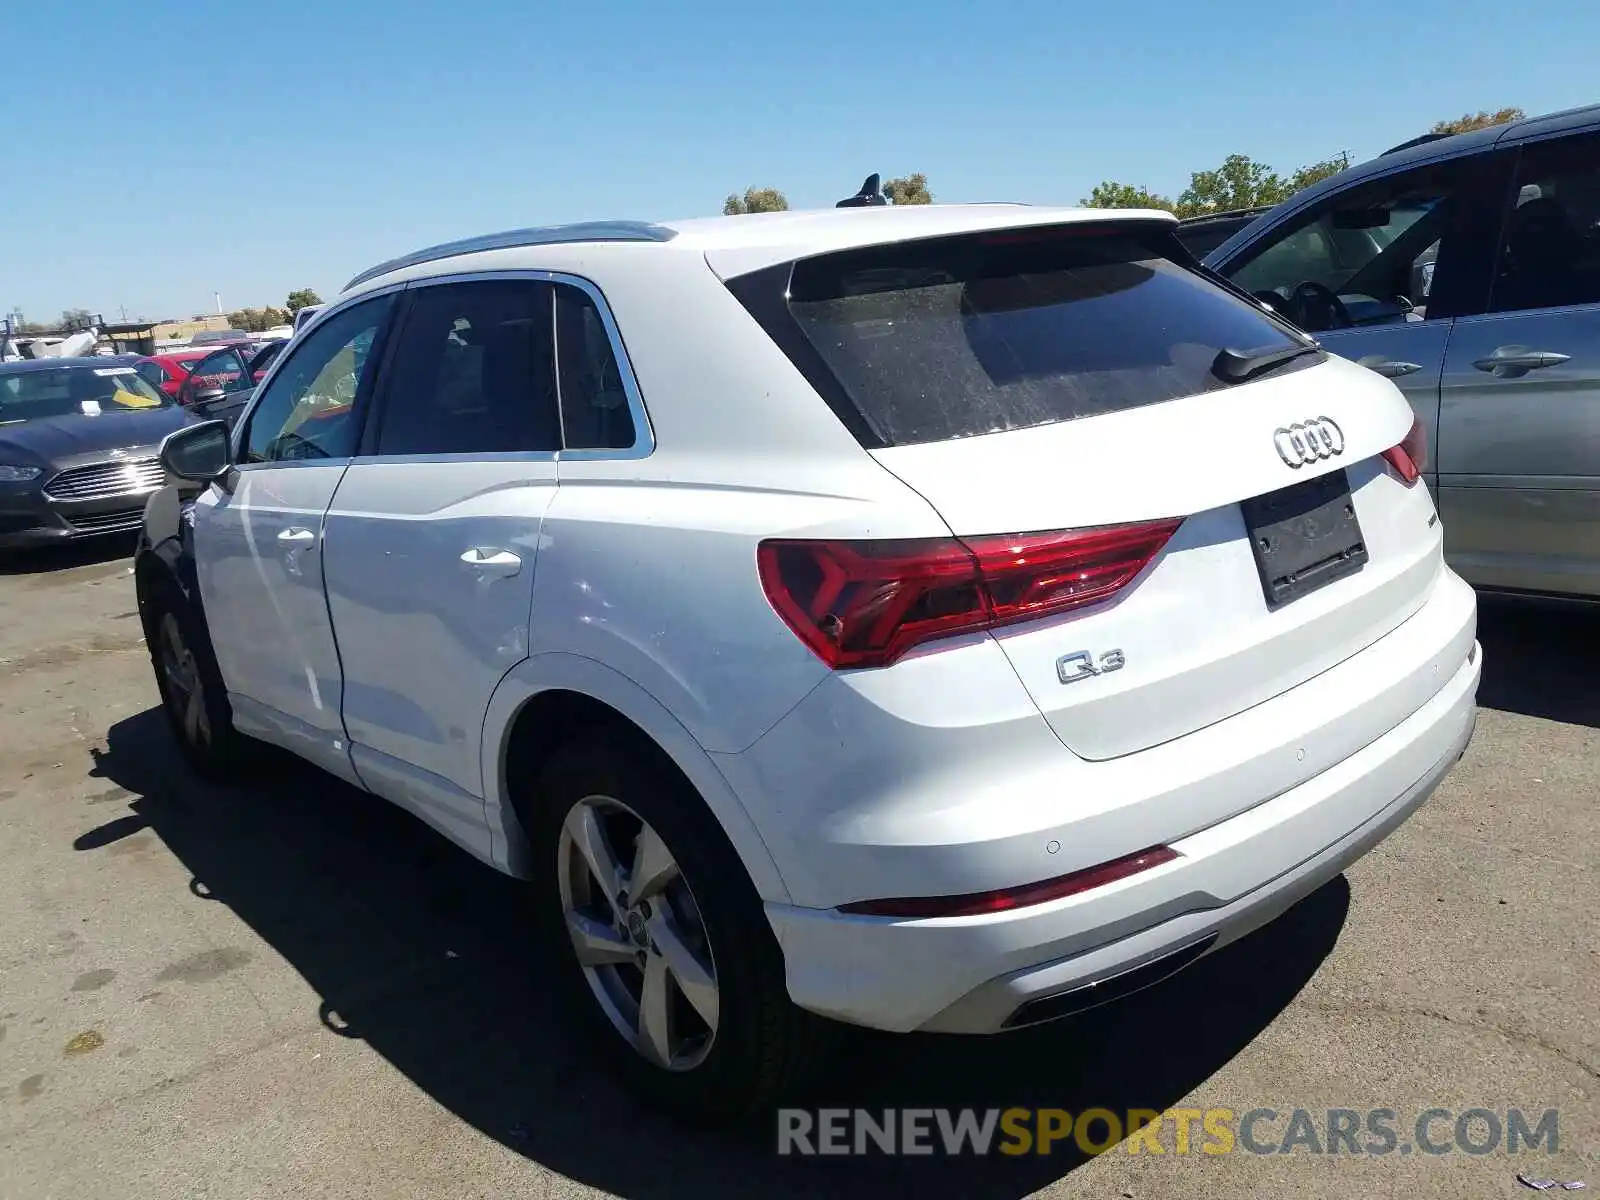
(865, 603)
(1410, 458)
(1006, 899)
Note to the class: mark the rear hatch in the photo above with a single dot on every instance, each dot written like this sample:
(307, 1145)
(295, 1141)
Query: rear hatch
(1078, 377)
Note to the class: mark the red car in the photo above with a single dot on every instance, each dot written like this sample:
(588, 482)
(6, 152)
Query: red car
(168, 371)
(234, 368)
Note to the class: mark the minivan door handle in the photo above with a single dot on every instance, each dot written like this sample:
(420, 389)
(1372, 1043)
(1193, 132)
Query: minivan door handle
(1509, 362)
(492, 560)
(1387, 367)
(296, 536)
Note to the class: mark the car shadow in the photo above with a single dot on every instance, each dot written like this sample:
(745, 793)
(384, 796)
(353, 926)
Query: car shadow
(1540, 659)
(83, 552)
(426, 955)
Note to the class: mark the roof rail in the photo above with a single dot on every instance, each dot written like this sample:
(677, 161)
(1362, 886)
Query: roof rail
(545, 235)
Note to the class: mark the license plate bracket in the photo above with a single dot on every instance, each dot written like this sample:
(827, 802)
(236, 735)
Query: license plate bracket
(1304, 537)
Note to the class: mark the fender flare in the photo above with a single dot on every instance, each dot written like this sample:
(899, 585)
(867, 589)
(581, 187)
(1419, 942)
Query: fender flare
(591, 678)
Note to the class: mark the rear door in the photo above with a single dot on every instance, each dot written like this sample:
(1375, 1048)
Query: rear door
(1073, 396)
(1519, 452)
(434, 532)
(1380, 271)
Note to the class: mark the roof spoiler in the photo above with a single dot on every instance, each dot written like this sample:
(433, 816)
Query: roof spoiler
(870, 196)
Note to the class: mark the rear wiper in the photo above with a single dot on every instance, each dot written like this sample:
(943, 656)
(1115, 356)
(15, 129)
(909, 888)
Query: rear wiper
(1236, 366)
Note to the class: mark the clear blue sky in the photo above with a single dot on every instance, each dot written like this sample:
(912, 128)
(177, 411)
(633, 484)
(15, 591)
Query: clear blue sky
(153, 153)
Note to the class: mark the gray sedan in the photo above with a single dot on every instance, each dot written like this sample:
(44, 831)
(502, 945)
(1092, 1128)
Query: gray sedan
(78, 443)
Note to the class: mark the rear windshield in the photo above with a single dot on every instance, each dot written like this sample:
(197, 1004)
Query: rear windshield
(947, 338)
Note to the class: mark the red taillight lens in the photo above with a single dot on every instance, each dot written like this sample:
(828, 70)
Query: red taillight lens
(1410, 458)
(865, 603)
(1005, 899)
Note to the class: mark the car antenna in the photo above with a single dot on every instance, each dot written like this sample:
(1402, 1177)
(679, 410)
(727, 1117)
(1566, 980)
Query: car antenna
(870, 196)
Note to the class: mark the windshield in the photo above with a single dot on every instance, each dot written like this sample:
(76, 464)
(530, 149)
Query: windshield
(74, 391)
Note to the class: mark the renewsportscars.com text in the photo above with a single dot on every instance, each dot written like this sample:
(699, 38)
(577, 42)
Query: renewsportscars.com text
(1179, 1131)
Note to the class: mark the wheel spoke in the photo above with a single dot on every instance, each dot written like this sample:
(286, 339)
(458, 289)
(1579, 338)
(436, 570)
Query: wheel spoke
(583, 826)
(653, 867)
(694, 978)
(597, 944)
(194, 714)
(655, 1013)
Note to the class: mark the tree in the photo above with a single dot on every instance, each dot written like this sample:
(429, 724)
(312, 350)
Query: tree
(1317, 172)
(1111, 194)
(1479, 120)
(76, 318)
(912, 189)
(755, 200)
(1240, 182)
(301, 298)
(255, 320)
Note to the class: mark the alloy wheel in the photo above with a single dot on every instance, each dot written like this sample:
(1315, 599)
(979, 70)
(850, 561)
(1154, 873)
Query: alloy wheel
(638, 933)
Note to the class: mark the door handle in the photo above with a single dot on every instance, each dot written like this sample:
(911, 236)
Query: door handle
(296, 536)
(1508, 362)
(1387, 367)
(502, 561)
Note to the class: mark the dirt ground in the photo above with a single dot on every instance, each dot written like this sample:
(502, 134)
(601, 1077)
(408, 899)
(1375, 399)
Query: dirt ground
(293, 989)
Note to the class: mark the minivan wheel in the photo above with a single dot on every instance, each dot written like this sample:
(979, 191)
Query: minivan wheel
(666, 955)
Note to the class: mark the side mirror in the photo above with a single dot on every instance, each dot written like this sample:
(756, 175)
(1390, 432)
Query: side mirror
(201, 453)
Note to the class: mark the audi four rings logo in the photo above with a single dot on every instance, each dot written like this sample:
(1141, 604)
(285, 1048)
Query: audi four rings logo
(1307, 441)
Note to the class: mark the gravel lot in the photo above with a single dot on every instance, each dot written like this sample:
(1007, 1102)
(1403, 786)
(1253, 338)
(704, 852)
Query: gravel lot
(295, 990)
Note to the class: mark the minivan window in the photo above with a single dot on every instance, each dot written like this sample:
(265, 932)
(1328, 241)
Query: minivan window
(1365, 257)
(952, 337)
(1550, 249)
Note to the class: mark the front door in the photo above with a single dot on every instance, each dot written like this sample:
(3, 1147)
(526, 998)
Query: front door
(1378, 272)
(258, 541)
(1519, 454)
(433, 535)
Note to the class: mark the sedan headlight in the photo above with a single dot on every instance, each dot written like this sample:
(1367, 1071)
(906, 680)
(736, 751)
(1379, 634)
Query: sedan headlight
(11, 474)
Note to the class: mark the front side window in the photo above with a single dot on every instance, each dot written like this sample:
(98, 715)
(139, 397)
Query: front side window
(1550, 250)
(594, 402)
(1366, 258)
(473, 372)
(308, 409)
(220, 370)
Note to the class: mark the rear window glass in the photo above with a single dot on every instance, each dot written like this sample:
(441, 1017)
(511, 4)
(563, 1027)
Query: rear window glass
(953, 337)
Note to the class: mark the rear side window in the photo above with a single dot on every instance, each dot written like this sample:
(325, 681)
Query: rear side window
(947, 338)
(594, 402)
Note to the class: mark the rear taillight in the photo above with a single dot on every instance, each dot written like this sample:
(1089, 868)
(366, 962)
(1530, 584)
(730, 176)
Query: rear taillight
(1410, 458)
(865, 603)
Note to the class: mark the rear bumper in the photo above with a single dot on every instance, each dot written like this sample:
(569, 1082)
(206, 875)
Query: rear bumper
(974, 974)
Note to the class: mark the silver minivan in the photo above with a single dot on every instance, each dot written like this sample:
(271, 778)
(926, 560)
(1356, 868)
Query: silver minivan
(1467, 269)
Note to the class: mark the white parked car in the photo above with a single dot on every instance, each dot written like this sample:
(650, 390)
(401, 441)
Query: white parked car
(932, 618)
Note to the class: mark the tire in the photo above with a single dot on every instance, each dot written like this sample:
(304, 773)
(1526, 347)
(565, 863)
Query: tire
(194, 699)
(762, 1045)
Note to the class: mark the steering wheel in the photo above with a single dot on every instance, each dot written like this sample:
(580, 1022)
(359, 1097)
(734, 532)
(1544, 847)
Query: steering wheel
(1275, 301)
(1316, 308)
